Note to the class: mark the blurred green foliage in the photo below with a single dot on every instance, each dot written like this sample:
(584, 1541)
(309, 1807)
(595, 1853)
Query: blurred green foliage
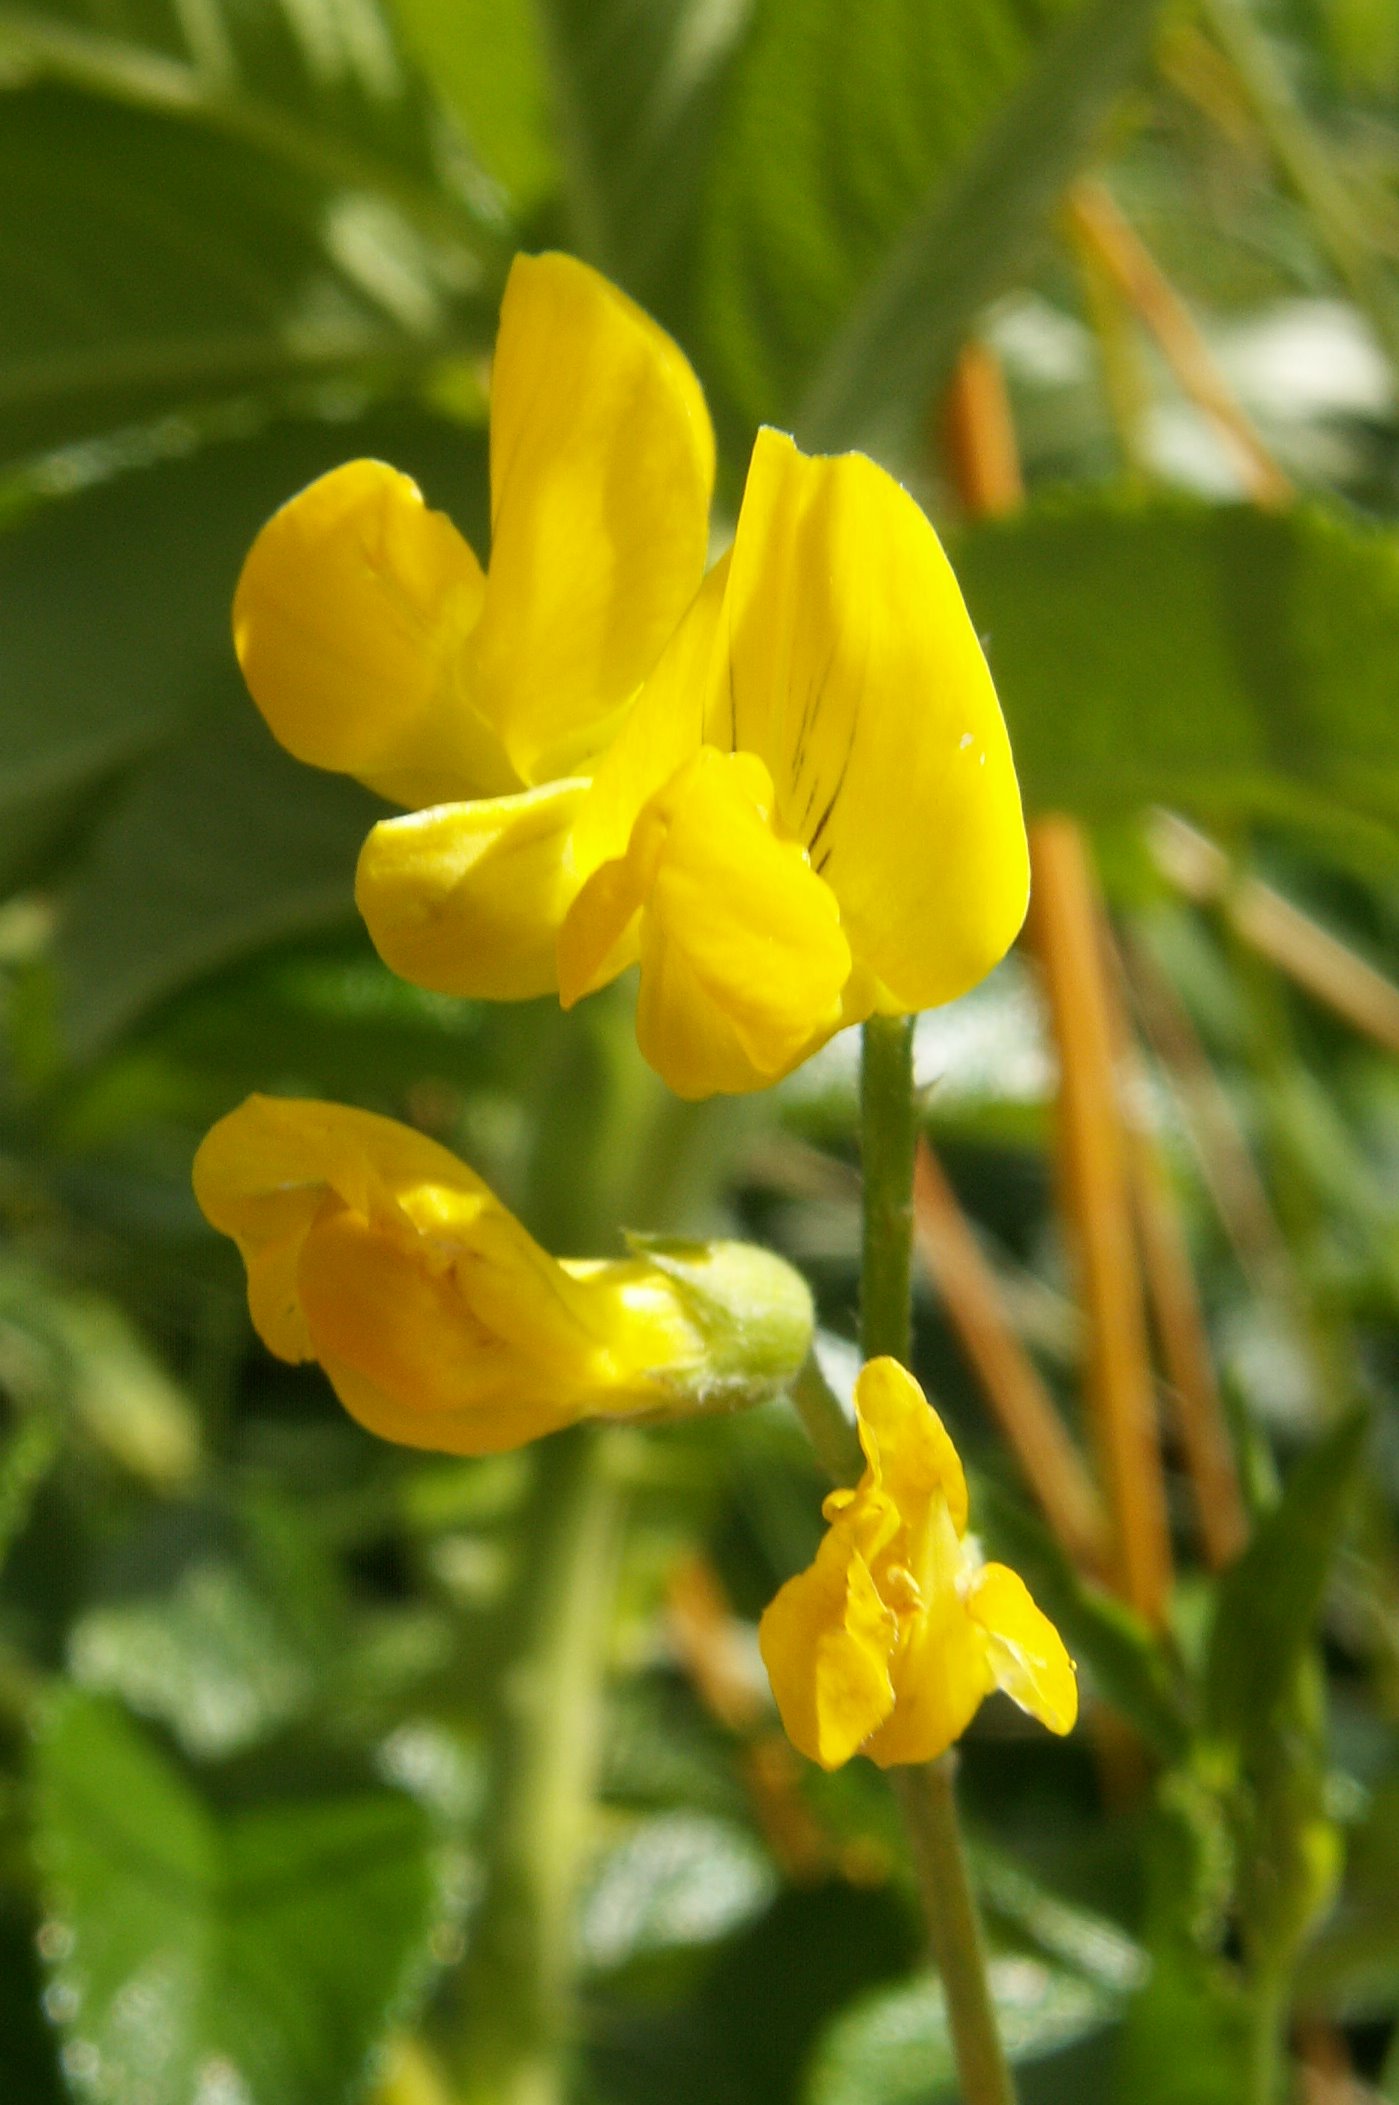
(250, 1662)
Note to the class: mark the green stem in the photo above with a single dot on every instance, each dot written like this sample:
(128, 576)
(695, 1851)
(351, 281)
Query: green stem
(1264, 2065)
(929, 1804)
(611, 1148)
(545, 1761)
(889, 1134)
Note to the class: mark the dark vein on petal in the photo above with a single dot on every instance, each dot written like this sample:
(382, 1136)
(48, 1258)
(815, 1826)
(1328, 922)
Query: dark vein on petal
(822, 822)
(811, 709)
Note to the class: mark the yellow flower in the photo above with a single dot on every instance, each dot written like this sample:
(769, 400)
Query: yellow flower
(887, 1645)
(810, 812)
(784, 790)
(441, 1323)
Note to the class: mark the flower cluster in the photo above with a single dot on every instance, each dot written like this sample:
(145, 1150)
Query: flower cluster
(781, 787)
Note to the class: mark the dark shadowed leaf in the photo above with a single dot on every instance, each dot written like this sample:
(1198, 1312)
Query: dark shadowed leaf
(221, 845)
(1270, 1599)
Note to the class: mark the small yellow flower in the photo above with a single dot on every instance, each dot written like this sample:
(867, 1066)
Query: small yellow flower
(441, 1323)
(887, 1645)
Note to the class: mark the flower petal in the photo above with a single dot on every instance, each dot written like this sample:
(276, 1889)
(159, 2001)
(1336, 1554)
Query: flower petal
(350, 620)
(602, 463)
(269, 1171)
(909, 1449)
(858, 678)
(663, 729)
(1027, 1653)
(407, 1353)
(941, 1676)
(601, 933)
(742, 955)
(468, 899)
(262, 1174)
(825, 1641)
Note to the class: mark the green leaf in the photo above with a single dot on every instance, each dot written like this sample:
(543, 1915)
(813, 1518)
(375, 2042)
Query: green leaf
(679, 1879)
(894, 2047)
(1350, 1967)
(1061, 1930)
(67, 1352)
(207, 204)
(114, 614)
(487, 60)
(328, 93)
(636, 88)
(880, 176)
(1186, 2037)
(207, 1656)
(1269, 1601)
(839, 123)
(1232, 661)
(194, 1952)
(1127, 1662)
(221, 845)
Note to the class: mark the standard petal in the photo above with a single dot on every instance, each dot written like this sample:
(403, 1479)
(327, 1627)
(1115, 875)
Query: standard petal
(857, 676)
(468, 899)
(602, 463)
(908, 1447)
(825, 1641)
(1026, 1652)
(742, 955)
(350, 622)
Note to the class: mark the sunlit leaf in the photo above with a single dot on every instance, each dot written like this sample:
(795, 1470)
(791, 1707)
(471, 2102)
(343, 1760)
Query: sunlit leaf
(895, 2046)
(199, 1954)
(1233, 661)
(678, 1879)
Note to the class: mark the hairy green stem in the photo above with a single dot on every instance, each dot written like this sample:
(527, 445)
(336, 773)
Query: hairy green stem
(612, 1149)
(889, 1133)
(545, 1758)
(928, 1801)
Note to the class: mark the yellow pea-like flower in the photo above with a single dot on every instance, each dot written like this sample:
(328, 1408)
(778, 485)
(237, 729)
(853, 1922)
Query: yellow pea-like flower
(783, 790)
(809, 814)
(439, 1320)
(889, 1642)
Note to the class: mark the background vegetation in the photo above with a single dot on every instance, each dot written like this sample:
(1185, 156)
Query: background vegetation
(252, 1664)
